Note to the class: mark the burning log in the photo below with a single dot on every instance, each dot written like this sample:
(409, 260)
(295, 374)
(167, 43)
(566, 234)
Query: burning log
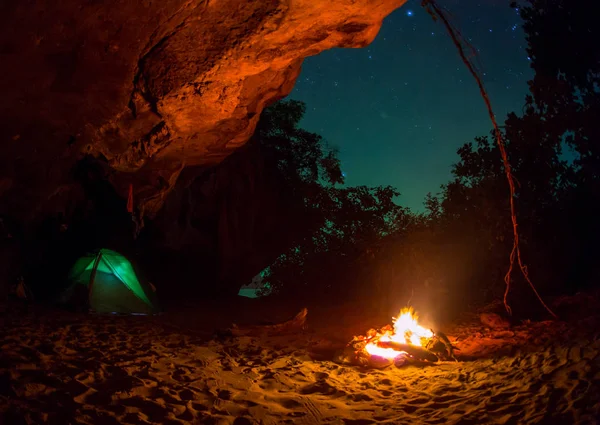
(418, 353)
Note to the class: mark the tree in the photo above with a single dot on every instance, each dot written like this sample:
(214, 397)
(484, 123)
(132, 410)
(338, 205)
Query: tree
(565, 90)
(344, 221)
(565, 93)
(553, 189)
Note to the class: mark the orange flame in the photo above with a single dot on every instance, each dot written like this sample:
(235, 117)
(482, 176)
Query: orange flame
(406, 331)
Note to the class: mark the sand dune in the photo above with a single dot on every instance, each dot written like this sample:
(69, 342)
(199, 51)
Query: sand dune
(61, 368)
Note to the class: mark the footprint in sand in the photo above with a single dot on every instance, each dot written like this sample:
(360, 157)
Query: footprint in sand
(183, 374)
(186, 394)
(360, 397)
(409, 409)
(153, 410)
(319, 387)
(224, 394)
(289, 403)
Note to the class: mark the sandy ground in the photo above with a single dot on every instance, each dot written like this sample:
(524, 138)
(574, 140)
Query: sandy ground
(66, 368)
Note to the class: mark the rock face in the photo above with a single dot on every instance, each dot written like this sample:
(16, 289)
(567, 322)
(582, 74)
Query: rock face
(149, 87)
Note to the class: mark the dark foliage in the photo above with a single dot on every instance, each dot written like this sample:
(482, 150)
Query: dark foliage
(339, 223)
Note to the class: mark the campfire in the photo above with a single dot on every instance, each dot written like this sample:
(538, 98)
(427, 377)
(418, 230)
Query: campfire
(405, 341)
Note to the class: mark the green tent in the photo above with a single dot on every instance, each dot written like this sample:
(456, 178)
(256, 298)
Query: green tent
(105, 282)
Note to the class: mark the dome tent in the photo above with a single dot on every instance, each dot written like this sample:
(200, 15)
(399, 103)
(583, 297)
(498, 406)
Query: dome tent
(105, 282)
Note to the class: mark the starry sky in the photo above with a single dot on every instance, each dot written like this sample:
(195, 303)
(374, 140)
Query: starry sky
(399, 109)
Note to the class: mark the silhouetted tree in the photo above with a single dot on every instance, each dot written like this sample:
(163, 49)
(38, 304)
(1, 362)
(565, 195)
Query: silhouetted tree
(565, 92)
(344, 221)
(554, 154)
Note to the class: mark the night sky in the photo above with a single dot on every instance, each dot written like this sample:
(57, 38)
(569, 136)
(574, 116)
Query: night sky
(398, 109)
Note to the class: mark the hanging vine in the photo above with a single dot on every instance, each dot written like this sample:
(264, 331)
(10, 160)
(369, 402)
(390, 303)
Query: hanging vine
(432, 8)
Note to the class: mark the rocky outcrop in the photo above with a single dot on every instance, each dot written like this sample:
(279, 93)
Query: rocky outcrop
(149, 87)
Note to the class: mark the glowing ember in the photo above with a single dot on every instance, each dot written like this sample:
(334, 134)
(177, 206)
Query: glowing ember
(405, 330)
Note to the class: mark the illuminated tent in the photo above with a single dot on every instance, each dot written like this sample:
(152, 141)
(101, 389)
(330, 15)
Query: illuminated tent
(105, 282)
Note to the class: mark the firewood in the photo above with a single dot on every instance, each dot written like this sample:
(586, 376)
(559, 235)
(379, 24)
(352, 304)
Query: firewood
(295, 324)
(414, 351)
(441, 346)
